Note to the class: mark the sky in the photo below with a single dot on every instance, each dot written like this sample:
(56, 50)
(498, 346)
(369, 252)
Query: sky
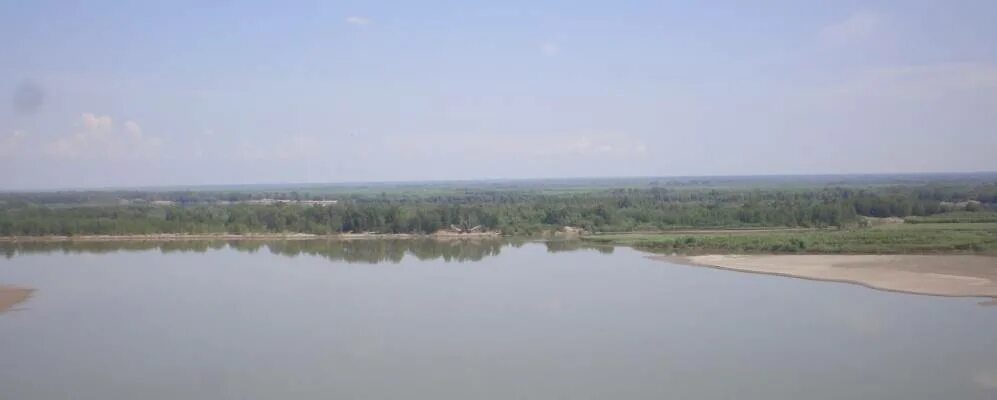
(120, 93)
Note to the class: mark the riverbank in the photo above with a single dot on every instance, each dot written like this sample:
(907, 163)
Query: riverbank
(264, 236)
(937, 275)
(923, 238)
(12, 295)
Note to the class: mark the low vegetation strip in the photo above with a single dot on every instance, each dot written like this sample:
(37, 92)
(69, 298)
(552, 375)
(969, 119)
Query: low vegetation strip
(954, 217)
(886, 239)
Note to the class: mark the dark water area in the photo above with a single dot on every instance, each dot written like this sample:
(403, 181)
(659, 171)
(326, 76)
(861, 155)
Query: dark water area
(424, 319)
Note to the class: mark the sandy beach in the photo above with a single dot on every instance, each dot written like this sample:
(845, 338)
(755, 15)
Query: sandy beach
(12, 295)
(938, 275)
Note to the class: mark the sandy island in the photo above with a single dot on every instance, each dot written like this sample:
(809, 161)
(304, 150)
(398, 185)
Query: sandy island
(12, 295)
(938, 275)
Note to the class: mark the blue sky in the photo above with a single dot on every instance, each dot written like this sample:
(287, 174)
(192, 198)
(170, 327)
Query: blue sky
(121, 93)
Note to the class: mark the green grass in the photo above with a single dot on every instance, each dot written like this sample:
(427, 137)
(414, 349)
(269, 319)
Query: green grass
(884, 239)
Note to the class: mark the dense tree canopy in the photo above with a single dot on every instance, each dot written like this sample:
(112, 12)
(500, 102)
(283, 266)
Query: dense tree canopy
(510, 211)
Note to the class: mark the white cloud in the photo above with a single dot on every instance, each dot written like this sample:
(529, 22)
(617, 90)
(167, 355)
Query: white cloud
(133, 129)
(859, 26)
(98, 138)
(941, 82)
(96, 122)
(358, 21)
(550, 48)
(11, 143)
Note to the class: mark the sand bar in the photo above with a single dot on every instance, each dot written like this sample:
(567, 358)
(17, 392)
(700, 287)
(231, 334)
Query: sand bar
(938, 275)
(12, 295)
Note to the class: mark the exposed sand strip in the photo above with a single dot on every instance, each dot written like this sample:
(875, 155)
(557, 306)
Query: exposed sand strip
(938, 275)
(12, 295)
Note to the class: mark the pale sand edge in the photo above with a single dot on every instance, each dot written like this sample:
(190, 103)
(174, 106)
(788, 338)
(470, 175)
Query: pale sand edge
(13, 295)
(688, 260)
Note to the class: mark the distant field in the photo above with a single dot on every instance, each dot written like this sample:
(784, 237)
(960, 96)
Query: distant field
(884, 239)
(551, 186)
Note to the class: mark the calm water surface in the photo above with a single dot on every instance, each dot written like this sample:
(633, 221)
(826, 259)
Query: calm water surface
(488, 320)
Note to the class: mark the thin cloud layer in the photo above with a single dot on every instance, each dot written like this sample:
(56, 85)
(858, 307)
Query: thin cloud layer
(10, 144)
(493, 90)
(550, 48)
(99, 138)
(357, 21)
(858, 27)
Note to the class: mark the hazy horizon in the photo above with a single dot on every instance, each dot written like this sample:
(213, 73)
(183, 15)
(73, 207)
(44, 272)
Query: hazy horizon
(106, 94)
(294, 185)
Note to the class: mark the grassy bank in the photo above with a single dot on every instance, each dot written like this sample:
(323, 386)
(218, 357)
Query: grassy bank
(885, 239)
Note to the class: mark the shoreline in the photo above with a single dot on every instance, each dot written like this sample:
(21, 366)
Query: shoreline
(262, 236)
(932, 275)
(949, 275)
(13, 295)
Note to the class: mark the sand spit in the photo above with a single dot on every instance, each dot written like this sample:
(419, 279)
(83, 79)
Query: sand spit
(12, 295)
(938, 275)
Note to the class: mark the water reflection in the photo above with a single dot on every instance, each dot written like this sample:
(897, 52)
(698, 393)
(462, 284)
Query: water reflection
(351, 251)
(557, 246)
(230, 324)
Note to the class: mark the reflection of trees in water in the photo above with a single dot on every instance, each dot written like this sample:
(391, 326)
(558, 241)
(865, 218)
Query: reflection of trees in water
(557, 246)
(390, 250)
(354, 251)
(68, 247)
(362, 251)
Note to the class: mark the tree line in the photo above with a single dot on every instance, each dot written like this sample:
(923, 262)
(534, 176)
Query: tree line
(508, 211)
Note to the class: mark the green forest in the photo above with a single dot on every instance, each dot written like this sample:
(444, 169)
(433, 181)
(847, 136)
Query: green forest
(511, 210)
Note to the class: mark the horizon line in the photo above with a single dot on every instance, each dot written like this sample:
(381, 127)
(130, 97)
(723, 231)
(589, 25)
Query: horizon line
(207, 186)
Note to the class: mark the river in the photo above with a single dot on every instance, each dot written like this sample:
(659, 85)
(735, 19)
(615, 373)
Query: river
(422, 319)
